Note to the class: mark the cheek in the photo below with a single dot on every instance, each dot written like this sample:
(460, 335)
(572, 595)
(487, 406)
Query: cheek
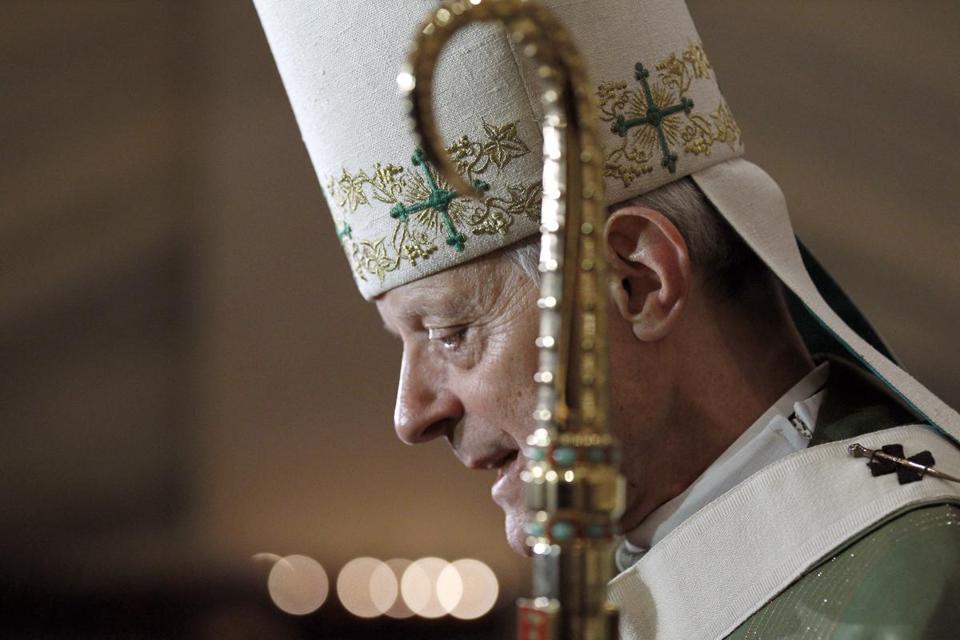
(505, 386)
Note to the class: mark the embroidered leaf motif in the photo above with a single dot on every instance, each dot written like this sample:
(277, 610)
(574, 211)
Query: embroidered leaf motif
(525, 201)
(428, 214)
(332, 190)
(679, 72)
(466, 154)
(350, 190)
(701, 134)
(613, 98)
(489, 219)
(387, 182)
(353, 255)
(503, 144)
(672, 72)
(374, 258)
(696, 57)
(725, 127)
(496, 215)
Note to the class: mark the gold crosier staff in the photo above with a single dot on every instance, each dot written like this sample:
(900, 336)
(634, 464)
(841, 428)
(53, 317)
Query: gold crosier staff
(573, 486)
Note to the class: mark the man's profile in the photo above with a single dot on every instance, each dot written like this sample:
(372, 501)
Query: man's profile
(734, 385)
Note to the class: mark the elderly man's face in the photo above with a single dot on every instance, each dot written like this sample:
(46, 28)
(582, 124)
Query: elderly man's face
(467, 369)
(688, 372)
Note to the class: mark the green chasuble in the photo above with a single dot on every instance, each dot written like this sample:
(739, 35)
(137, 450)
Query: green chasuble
(900, 579)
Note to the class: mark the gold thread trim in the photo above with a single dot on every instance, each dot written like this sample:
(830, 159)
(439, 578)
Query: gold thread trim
(637, 153)
(421, 235)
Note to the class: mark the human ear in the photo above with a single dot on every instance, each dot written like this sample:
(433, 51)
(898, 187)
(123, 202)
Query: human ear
(649, 269)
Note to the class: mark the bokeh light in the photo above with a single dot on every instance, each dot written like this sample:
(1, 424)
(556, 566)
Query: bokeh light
(354, 587)
(449, 588)
(478, 587)
(418, 586)
(399, 609)
(367, 587)
(298, 585)
(384, 587)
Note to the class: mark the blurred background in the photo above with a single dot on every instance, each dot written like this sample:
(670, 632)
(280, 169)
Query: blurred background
(190, 386)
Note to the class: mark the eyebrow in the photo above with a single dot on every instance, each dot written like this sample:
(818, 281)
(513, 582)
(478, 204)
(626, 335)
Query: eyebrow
(427, 303)
(430, 304)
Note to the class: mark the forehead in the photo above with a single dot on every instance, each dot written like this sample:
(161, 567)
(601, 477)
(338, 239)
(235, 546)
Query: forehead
(472, 286)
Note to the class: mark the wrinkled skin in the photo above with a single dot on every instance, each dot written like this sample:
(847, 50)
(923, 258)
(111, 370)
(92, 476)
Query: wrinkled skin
(468, 365)
(688, 372)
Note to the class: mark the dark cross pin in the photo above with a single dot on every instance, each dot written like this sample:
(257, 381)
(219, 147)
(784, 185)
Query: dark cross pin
(654, 118)
(439, 200)
(889, 459)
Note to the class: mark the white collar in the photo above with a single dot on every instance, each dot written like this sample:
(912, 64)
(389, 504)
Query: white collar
(785, 427)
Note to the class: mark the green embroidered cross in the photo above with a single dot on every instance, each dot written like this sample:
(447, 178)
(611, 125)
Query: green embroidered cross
(654, 118)
(345, 231)
(439, 200)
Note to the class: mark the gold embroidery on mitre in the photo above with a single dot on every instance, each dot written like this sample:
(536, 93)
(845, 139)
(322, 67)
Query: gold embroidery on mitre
(419, 230)
(639, 150)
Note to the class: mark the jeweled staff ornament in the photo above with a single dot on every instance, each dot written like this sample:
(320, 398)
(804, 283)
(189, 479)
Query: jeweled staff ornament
(575, 493)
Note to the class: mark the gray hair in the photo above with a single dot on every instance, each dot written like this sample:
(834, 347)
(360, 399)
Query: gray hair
(714, 248)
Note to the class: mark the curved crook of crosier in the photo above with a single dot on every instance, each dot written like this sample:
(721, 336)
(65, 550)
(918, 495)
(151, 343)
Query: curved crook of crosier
(574, 508)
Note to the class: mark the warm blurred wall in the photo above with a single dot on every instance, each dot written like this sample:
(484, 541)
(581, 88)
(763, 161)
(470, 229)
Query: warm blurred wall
(187, 375)
(854, 107)
(97, 259)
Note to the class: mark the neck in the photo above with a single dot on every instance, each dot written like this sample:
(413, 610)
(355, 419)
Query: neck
(729, 367)
(753, 359)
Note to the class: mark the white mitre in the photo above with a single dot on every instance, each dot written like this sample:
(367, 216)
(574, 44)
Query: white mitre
(396, 220)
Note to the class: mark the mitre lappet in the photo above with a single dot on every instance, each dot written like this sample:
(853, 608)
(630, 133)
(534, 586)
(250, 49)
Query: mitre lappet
(663, 118)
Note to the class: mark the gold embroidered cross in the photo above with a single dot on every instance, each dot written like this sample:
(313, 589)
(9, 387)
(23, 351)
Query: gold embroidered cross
(654, 117)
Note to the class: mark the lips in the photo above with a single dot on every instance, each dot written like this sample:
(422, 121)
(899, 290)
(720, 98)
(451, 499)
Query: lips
(493, 461)
(505, 463)
(508, 477)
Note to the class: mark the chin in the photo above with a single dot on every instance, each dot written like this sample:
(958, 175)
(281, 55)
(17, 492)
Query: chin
(514, 520)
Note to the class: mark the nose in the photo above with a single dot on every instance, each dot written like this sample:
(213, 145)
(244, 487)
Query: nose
(425, 408)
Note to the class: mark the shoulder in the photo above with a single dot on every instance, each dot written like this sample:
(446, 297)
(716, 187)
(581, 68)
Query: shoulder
(902, 577)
